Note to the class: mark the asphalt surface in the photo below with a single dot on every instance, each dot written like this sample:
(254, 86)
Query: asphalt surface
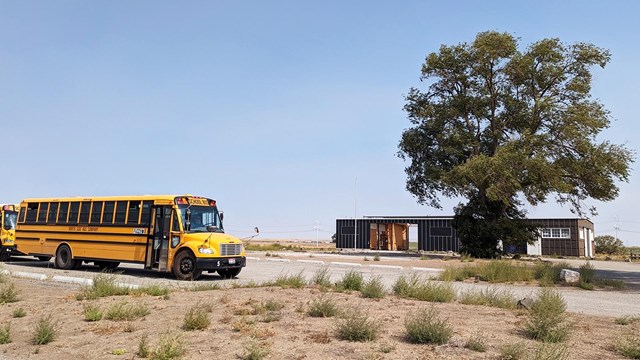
(600, 303)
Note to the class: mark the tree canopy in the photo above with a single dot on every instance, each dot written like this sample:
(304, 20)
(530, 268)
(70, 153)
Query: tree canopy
(499, 125)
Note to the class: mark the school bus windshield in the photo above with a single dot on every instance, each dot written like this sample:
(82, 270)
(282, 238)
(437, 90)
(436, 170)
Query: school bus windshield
(202, 219)
(10, 219)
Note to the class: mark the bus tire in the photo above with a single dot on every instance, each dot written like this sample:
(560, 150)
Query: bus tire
(4, 256)
(44, 258)
(107, 265)
(184, 266)
(229, 273)
(64, 259)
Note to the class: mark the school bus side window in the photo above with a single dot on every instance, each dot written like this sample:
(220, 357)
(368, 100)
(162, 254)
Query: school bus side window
(42, 213)
(96, 212)
(134, 212)
(85, 207)
(74, 208)
(32, 212)
(121, 212)
(107, 217)
(63, 213)
(146, 213)
(53, 212)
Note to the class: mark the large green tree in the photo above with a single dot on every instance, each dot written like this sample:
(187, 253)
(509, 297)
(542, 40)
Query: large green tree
(500, 125)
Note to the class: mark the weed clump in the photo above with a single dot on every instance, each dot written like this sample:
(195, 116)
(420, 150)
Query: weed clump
(19, 312)
(351, 281)
(169, 347)
(514, 351)
(122, 311)
(489, 297)
(355, 325)
(92, 312)
(45, 331)
(5, 334)
(547, 319)
(373, 288)
(9, 293)
(322, 307)
(290, 281)
(628, 346)
(424, 327)
(321, 278)
(197, 318)
(255, 351)
(415, 287)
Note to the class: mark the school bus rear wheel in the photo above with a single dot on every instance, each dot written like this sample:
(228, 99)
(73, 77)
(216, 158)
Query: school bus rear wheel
(64, 259)
(184, 266)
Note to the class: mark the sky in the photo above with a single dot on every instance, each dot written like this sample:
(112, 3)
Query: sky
(288, 113)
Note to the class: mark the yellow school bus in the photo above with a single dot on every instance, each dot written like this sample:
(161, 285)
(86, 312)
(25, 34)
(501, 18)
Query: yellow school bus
(9, 217)
(181, 234)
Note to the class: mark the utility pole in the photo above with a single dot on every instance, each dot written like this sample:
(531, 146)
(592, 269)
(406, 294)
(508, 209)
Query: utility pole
(355, 215)
(617, 227)
(317, 227)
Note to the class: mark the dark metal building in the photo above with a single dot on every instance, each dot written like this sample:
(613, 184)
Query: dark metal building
(566, 237)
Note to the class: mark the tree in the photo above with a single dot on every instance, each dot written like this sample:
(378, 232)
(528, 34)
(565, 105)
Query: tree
(607, 244)
(500, 127)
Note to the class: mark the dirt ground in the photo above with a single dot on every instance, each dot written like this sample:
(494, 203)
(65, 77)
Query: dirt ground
(290, 335)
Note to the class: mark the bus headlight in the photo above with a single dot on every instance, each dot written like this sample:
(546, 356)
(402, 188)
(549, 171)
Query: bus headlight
(205, 251)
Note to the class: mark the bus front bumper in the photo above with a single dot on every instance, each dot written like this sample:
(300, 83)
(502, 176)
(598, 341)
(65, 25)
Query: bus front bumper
(221, 263)
(7, 251)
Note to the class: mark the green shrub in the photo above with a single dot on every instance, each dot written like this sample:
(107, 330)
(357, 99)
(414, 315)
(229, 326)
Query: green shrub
(352, 280)
(612, 283)
(118, 351)
(290, 281)
(459, 273)
(547, 273)
(273, 305)
(322, 307)
(476, 344)
(122, 311)
(170, 346)
(627, 319)
(19, 312)
(415, 287)
(628, 346)
(322, 278)
(92, 312)
(424, 327)
(255, 351)
(376, 257)
(546, 318)
(5, 334)
(373, 288)
(514, 351)
(502, 271)
(8, 293)
(206, 287)
(355, 325)
(503, 299)
(197, 318)
(143, 347)
(45, 331)
(551, 352)
(152, 290)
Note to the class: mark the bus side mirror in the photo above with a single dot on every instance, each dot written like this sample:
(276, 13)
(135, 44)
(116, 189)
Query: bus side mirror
(187, 222)
(221, 216)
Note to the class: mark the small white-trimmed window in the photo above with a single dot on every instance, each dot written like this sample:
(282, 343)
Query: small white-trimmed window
(556, 233)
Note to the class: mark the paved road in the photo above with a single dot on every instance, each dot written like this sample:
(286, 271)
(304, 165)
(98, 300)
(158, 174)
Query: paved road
(602, 303)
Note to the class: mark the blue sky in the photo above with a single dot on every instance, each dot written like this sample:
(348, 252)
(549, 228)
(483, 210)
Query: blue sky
(273, 108)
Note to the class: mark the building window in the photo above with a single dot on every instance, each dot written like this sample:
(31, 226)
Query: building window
(556, 233)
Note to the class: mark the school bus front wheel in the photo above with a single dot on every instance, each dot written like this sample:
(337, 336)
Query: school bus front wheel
(184, 266)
